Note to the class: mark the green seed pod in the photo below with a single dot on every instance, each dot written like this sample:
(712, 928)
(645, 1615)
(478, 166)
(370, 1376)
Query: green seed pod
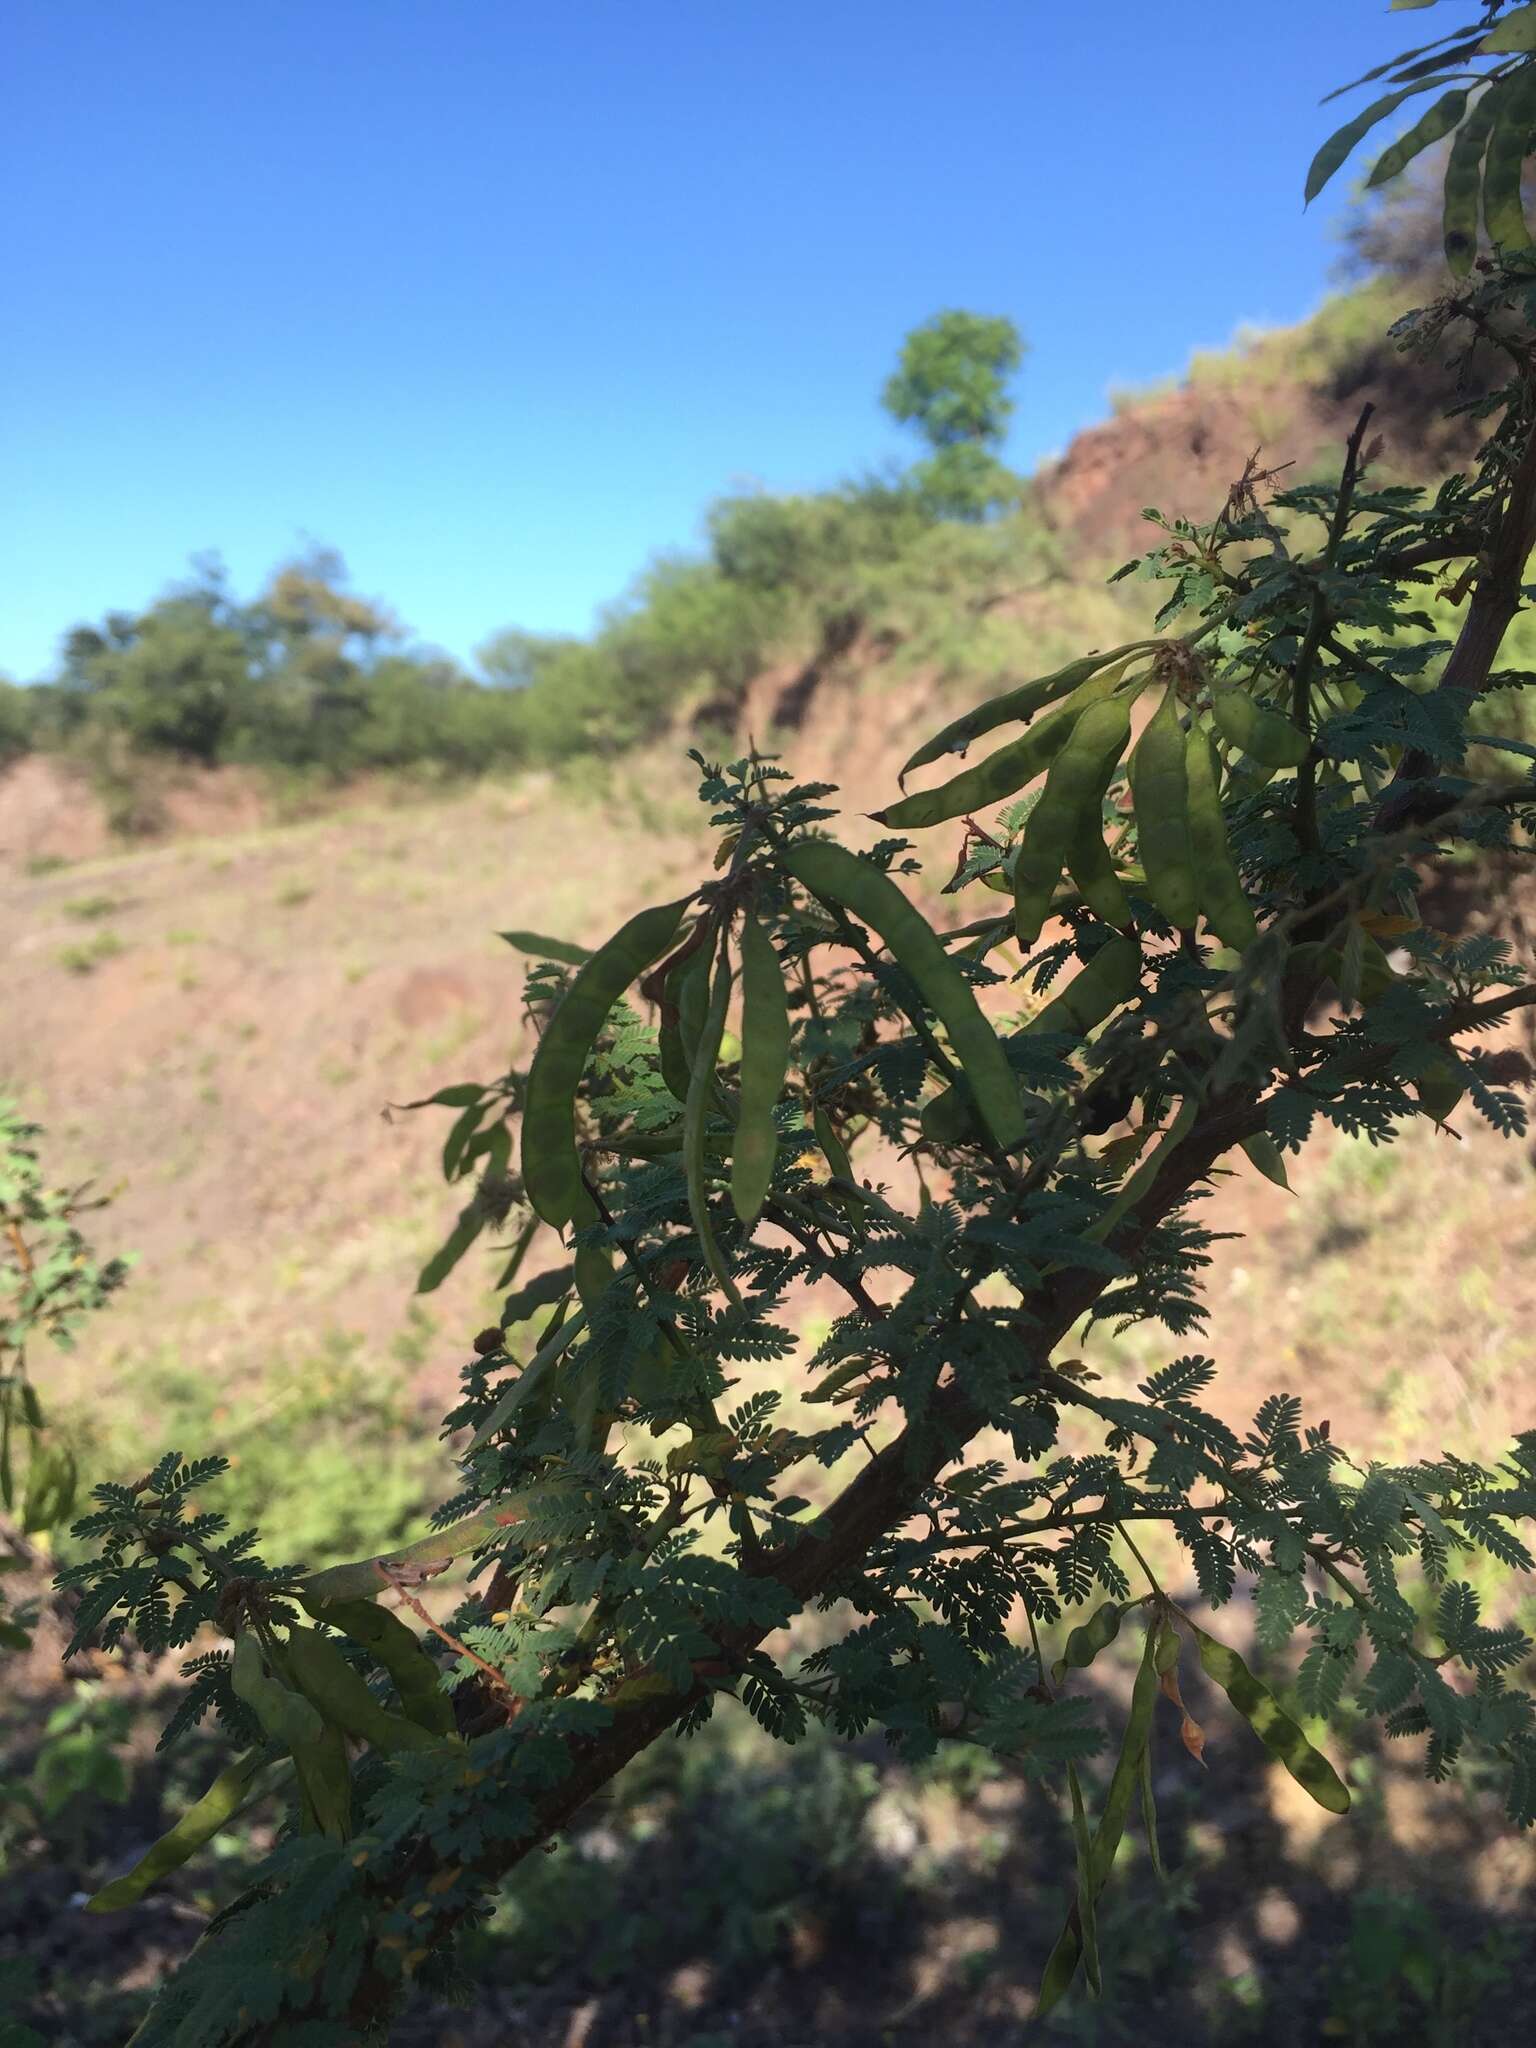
(831, 1384)
(1003, 773)
(701, 1088)
(1464, 182)
(1503, 204)
(1149, 1813)
(593, 1268)
(343, 1697)
(1165, 1649)
(1341, 143)
(1137, 1183)
(949, 1118)
(1273, 1726)
(1110, 979)
(1087, 1916)
(835, 1152)
(197, 1826)
(1016, 706)
(840, 877)
(1434, 126)
(325, 1785)
(551, 1165)
(674, 1050)
(1102, 733)
(532, 1380)
(1227, 910)
(1160, 792)
(285, 1717)
(1088, 1639)
(764, 1062)
(692, 991)
(1069, 810)
(363, 1576)
(396, 1649)
(1272, 740)
(1037, 869)
(1061, 1967)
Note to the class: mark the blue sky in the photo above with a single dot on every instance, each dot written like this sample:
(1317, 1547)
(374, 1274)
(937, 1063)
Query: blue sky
(494, 296)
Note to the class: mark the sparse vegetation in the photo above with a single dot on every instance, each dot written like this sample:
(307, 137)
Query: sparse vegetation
(91, 953)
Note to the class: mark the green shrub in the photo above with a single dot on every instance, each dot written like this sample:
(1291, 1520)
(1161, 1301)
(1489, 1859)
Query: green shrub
(18, 722)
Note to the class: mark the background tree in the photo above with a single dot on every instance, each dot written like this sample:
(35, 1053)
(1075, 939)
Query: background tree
(178, 678)
(951, 384)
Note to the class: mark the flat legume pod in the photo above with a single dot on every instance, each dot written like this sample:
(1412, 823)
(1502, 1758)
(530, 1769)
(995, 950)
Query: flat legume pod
(1061, 1967)
(551, 1165)
(1160, 793)
(1015, 706)
(1110, 978)
(1105, 728)
(1087, 1639)
(701, 1089)
(197, 1826)
(1503, 201)
(395, 1648)
(1273, 1726)
(1004, 772)
(1069, 810)
(764, 1062)
(285, 1716)
(1268, 737)
(840, 877)
(1464, 182)
(342, 1695)
(1431, 126)
(1227, 910)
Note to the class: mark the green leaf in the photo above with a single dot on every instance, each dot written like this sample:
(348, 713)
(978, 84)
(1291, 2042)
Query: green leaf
(547, 949)
(442, 1262)
(1265, 1154)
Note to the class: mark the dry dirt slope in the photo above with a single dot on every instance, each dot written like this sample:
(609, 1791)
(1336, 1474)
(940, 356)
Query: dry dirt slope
(274, 989)
(216, 1028)
(217, 1023)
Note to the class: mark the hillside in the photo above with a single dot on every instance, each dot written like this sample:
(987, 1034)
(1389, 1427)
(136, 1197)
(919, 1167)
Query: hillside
(218, 1023)
(217, 1020)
